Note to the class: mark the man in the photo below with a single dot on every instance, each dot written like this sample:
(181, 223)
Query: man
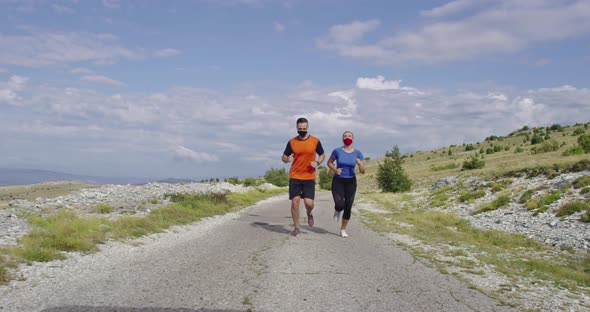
(301, 151)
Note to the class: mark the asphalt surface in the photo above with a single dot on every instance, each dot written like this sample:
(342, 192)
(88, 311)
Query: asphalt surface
(250, 262)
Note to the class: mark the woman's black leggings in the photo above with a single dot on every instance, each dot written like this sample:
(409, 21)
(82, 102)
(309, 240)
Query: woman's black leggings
(343, 191)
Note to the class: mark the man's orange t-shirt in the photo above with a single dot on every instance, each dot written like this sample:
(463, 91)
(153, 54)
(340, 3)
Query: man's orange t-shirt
(303, 154)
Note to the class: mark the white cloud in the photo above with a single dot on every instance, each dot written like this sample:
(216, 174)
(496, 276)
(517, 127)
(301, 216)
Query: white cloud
(185, 154)
(102, 80)
(380, 84)
(558, 89)
(500, 27)
(279, 27)
(452, 7)
(167, 52)
(377, 83)
(43, 49)
(214, 133)
(81, 70)
(9, 90)
(62, 9)
(111, 4)
(497, 96)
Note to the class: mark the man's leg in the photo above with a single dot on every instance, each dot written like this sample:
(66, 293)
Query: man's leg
(295, 210)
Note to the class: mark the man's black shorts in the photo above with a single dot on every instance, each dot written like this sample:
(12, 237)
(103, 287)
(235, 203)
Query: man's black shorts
(302, 188)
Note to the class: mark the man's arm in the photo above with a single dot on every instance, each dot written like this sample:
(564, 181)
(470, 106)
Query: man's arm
(287, 154)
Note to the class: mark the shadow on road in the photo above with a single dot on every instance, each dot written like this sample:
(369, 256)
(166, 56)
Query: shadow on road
(278, 228)
(283, 229)
(127, 309)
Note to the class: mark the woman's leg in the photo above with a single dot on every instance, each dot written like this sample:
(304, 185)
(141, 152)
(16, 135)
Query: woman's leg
(338, 194)
(349, 194)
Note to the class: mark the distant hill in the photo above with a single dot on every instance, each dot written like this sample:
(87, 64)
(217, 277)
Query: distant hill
(31, 176)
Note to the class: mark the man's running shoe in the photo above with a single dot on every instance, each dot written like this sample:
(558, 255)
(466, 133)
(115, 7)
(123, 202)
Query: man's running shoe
(343, 233)
(310, 220)
(295, 232)
(337, 216)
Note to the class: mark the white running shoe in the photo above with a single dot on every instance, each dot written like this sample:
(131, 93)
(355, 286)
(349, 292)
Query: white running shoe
(336, 216)
(343, 233)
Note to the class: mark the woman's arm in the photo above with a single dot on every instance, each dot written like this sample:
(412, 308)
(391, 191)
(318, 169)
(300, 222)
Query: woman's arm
(361, 164)
(332, 167)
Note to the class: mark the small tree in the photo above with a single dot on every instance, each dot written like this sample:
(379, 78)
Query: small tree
(473, 163)
(325, 178)
(278, 177)
(584, 142)
(390, 175)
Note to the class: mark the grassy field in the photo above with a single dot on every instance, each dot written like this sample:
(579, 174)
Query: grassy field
(33, 191)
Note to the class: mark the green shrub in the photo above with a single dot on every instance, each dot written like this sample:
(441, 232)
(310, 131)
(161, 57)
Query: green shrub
(489, 151)
(391, 176)
(154, 201)
(473, 163)
(249, 182)
(526, 196)
(542, 204)
(518, 150)
(104, 208)
(584, 142)
(556, 127)
(499, 202)
(586, 216)
(581, 182)
(232, 180)
(469, 147)
(498, 148)
(546, 147)
(278, 177)
(576, 150)
(578, 131)
(326, 176)
(585, 190)
(470, 196)
(444, 167)
(571, 208)
(536, 140)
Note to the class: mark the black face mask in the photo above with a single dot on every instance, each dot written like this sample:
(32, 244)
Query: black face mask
(302, 133)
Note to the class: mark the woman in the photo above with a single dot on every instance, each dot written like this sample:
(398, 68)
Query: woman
(344, 181)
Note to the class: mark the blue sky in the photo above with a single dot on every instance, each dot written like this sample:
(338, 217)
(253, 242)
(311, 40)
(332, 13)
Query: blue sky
(212, 88)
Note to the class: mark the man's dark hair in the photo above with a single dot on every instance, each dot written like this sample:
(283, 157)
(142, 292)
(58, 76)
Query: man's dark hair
(301, 120)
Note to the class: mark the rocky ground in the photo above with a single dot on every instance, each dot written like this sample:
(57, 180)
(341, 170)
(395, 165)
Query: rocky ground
(125, 200)
(561, 232)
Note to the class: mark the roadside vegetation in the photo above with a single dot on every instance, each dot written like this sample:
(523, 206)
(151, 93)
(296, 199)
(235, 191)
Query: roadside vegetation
(65, 231)
(421, 218)
(457, 248)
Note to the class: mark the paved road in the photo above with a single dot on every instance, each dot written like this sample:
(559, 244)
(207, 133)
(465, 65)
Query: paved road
(250, 262)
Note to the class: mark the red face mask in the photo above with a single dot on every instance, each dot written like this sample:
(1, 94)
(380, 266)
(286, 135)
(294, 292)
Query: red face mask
(347, 141)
